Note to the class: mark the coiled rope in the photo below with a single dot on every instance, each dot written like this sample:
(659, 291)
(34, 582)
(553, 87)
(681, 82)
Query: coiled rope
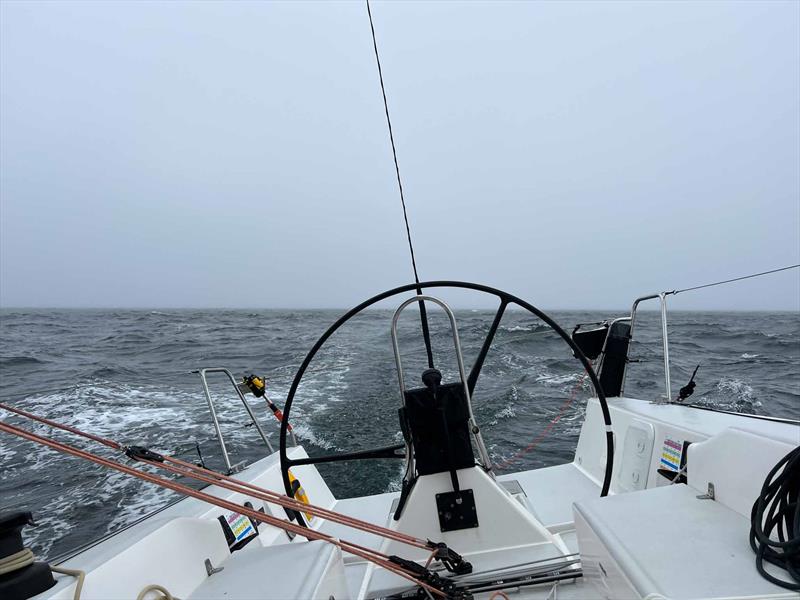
(16, 561)
(775, 521)
(165, 594)
(25, 557)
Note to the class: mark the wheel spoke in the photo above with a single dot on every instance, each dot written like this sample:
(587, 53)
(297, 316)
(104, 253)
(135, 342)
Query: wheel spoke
(487, 343)
(386, 452)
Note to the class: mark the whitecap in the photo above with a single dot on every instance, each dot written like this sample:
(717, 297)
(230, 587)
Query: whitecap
(6, 453)
(558, 379)
(515, 328)
(506, 412)
(304, 432)
(736, 387)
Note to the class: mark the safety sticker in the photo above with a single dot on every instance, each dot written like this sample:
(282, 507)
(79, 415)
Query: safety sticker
(238, 529)
(240, 525)
(672, 453)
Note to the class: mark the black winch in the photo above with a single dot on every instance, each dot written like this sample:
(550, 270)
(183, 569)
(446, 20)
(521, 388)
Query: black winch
(20, 576)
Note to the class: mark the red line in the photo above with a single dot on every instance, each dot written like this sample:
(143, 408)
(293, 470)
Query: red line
(507, 462)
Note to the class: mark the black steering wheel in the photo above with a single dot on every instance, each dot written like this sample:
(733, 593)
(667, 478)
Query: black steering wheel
(396, 451)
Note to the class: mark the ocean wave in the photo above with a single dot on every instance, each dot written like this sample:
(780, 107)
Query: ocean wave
(732, 394)
(16, 361)
(106, 372)
(6, 454)
(740, 389)
(507, 412)
(559, 379)
(106, 367)
(533, 328)
(306, 433)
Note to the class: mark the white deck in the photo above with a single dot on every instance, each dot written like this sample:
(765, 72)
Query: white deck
(650, 536)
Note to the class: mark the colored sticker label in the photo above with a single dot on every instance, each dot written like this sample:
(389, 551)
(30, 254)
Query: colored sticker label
(240, 526)
(671, 453)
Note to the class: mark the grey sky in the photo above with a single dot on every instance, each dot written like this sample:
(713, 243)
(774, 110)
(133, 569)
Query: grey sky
(236, 154)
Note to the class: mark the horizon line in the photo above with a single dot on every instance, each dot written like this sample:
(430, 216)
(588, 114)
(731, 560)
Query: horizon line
(347, 308)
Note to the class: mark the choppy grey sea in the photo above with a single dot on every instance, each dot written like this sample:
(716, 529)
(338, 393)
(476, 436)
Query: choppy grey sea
(126, 375)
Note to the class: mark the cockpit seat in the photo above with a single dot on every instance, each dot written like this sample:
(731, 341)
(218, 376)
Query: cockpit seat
(666, 542)
(312, 570)
(549, 493)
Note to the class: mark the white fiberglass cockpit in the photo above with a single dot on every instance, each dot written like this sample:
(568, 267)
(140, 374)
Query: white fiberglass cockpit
(660, 501)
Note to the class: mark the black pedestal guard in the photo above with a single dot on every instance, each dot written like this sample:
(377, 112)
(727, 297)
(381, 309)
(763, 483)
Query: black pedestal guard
(392, 451)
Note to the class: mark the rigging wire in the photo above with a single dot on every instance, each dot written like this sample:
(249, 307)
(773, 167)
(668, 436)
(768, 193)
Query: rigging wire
(698, 287)
(422, 312)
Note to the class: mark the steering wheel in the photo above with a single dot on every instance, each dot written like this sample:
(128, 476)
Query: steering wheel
(396, 451)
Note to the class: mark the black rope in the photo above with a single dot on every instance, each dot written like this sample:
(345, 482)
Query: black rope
(775, 522)
(698, 287)
(422, 312)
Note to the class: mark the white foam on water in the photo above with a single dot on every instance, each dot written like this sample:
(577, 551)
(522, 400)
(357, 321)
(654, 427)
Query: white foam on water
(746, 355)
(572, 421)
(736, 395)
(507, 412)
(50, 526)
(140, 501)
(558, 379)
(396, 483)
(124, 413)
(304, 432)
(6, 454)
(736, 387)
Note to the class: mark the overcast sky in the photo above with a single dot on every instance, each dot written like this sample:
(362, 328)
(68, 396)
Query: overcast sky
(236, 154)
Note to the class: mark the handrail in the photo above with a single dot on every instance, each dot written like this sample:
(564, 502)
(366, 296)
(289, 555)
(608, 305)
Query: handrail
(473, 426)
(662, 296)
(225, 457)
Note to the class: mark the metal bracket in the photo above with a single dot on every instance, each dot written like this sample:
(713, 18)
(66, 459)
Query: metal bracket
(709, 495)
(211, 569)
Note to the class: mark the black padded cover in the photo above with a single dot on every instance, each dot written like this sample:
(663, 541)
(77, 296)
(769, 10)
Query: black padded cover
(590, 341)
(430, 430)
(612, 371)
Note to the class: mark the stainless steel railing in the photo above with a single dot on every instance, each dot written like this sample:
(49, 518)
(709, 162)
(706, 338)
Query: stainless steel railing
(225, 457)
(662, 297)
(473, 426)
